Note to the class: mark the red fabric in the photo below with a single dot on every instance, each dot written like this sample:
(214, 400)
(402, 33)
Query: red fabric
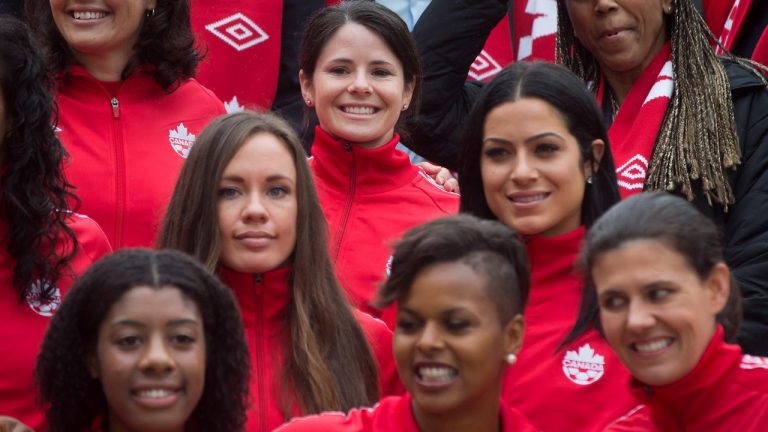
(24, 324)
(760, 54)
(263, 301)
(633, 133)
(733, 24)
(370, 198)
(242, 45)
(725, 391)
(716, 13)
(391, 414)
(123, 162)
(584, 383)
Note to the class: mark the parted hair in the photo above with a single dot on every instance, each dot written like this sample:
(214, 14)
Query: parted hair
(674, 222)
(76, 400)
(166, 42)
(34, 196)
(577, 107)
(490, 248)
(329, 365)
(697, 143)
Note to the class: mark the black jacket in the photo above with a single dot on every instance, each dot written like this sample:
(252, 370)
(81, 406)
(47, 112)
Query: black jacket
(451, 33)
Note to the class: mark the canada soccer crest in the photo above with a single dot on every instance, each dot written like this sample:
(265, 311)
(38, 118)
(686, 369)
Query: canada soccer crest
(585, 366)
(181, 140)
(37, 302)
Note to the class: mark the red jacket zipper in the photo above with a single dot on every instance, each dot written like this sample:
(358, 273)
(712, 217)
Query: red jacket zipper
(259, 344)
(347, 204)
(119, 171)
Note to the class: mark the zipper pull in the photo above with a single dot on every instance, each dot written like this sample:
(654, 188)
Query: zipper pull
(258, 277)
(115, 108)
(347, 147)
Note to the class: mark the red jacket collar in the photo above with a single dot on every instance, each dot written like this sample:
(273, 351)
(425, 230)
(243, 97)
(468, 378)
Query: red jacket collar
(553, 275)
(373, 170)
(270, 291)
(140, 85)
(685, 398)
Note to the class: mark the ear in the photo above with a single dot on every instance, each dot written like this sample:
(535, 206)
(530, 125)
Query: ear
(666, 6)
(718, 284)
(598, 150)
(408, 92)
(151, 4)
(93, 366)
(513, 335)
(306, 86)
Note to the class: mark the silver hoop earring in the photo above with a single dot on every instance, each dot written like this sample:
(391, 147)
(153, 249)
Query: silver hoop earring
(511, 358)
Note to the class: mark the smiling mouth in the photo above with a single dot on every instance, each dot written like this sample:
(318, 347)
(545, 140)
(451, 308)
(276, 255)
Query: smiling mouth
(359, 110)
(528, 199)
(88, 15)
(154, 393)
(651, 347)
(436, 374)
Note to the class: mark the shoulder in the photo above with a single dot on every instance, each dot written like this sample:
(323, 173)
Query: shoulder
(753, 375)
(446, 201)
(380, 417)
(514, 420)
(638, 419)
(742, 78)
(91, 241)
(192, 90)
(373, 328)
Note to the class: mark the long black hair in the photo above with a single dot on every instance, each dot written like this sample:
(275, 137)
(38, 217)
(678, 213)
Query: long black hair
(76, 399)
(567, 94)
(33, 193)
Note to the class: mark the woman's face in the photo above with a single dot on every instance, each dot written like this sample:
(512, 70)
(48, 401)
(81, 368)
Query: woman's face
(623, 35)
(150, 359)
(107, 29)
(657, 314)
(532, 170)
(257, 206)
(358, 88)
(449, 343)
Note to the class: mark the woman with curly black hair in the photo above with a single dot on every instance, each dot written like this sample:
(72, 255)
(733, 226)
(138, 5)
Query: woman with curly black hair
(146, 340)
(129, 106)
(43, 245)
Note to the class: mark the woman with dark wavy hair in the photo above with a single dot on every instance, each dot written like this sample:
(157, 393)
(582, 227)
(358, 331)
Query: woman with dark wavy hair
(245, 205)
(43, 244)
(129, 107)
(147, 340)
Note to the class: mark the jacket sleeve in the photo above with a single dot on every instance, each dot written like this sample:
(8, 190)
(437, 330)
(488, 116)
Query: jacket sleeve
(449, 36)
(746, 227)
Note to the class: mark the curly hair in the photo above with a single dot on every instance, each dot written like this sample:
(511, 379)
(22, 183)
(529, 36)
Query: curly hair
(166, 42)
(34, 195)
(76, 399)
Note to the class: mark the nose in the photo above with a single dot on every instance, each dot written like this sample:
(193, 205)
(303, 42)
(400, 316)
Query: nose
(605, 6)
(524, 170)
(254, 209)
(639, 317)
(430, 339)
(360, 84)
(156, 358)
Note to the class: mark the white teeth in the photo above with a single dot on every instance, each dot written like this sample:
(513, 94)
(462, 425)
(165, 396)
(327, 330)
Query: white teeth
(89, 15)
(529, 199)
(653, 346)
(154, 393)
(359, 110)
(436, 374)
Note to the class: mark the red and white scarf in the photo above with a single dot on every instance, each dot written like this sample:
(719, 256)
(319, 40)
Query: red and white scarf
(733, 25)
(637, 124)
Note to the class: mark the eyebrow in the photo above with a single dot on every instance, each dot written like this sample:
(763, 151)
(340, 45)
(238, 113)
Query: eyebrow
(273, 177)
(346, 60)
(527, 140)
(443, 313)
(134, 323)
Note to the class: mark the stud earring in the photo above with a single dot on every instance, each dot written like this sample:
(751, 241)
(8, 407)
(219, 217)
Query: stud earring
(511, 358)
(150, 13)
(589, 180)
(309, 102)
(405, 107)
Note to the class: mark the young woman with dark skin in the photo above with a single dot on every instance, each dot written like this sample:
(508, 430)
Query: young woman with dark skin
(147, 341)
(461, 286)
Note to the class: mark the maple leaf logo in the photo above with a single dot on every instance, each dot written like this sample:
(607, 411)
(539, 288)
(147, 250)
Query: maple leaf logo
(181, 140)
(584, 366)
(233, 106)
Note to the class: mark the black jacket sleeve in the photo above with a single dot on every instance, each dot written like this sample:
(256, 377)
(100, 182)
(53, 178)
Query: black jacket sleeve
(449, 36)
(746, 222)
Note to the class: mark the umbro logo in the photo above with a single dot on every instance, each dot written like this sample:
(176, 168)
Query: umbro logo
(238, 31)
(584, 366)
(631, 175)
(484, 67)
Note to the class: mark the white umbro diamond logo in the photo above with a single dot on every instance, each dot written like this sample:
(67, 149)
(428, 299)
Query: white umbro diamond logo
(484, 67)
(239, 31)
(632, 174)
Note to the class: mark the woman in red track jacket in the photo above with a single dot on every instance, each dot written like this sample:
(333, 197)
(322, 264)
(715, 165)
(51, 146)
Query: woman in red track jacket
(360, 72)
(129, 107)
(43, 244)
(245, 205)
(461, 285)
(669, 309)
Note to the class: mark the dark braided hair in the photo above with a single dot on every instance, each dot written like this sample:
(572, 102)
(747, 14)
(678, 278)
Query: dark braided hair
(34, 194)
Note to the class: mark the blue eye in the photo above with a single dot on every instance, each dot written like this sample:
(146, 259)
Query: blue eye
(659, 294)
(228, 192)
(277, 192)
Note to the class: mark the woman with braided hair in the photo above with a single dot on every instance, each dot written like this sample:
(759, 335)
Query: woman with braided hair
(683, 120)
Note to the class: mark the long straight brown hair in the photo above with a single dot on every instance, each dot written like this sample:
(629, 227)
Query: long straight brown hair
(329, 364)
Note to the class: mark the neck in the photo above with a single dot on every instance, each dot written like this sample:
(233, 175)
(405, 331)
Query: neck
(105, 67)
(482, 418)
(620, 83)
